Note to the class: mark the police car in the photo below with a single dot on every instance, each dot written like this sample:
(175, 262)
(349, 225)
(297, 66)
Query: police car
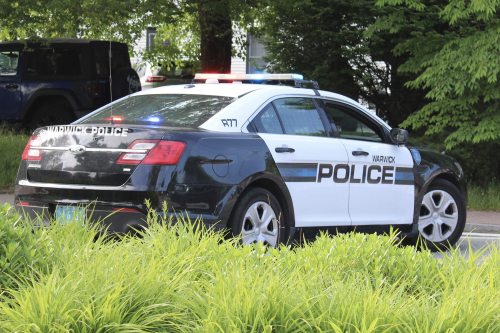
(271, 162)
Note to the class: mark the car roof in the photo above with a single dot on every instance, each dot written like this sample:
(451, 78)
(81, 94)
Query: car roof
(83, 41)
(250, 97)
(239, 90)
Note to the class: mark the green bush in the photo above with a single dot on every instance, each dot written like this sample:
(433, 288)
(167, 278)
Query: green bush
(12, 144)
(186, 278)
(23, 249)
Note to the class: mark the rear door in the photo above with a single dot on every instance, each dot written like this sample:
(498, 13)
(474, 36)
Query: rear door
(380, 173)
(306, 157)
(10, 84)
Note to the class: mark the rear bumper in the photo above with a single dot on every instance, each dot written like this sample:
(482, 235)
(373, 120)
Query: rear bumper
(207, 202)
(113, 222)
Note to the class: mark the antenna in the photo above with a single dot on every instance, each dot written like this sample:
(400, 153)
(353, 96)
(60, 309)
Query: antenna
(110, 78)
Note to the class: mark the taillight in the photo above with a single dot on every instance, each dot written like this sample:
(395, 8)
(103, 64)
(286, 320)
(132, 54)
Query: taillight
(30, 152)
(166, 153)
(96, 92)
(156, 78)
(157, 153)
(136, 158)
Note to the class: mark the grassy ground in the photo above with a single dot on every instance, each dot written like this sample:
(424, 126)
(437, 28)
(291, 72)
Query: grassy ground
(11, 149)
(183, 279)
(484, 198)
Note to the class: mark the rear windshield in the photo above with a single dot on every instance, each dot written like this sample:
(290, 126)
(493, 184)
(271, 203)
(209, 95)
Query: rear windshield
(165, 110)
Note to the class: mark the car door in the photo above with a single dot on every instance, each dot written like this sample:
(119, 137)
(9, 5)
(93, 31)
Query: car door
(10, 84)
(305, 156)
(380, 173)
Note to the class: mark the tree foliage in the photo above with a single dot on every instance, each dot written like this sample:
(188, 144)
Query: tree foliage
(325, 41)
(455, 59)
(183, 24)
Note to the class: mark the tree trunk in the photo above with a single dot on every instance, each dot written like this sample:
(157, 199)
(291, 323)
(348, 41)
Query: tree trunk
(216, 36)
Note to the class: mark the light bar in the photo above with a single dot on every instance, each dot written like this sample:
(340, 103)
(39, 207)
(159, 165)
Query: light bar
(238, 77)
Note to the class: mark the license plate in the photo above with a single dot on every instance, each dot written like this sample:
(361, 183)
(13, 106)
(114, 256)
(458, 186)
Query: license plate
(70, 214)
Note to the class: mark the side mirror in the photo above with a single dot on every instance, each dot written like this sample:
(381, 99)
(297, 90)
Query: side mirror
(399, 136)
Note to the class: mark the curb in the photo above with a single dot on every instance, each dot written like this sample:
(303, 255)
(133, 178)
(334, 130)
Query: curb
(476, 227)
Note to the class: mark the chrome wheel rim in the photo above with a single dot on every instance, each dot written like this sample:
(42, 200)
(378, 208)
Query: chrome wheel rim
(438, 216)
(260, 225)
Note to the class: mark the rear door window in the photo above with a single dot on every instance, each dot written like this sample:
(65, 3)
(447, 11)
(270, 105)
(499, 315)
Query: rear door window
(267, 121)
(299, 116)
(175, 110)
(8, 63)
(51, 62)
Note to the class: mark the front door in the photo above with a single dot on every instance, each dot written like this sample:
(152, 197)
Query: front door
(305, 156)
(10, 84)
(380, 174)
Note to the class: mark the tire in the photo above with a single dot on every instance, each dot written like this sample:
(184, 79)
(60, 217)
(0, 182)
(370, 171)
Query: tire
(58, 113)
(125, 82)
(442, 215)
(258, 217)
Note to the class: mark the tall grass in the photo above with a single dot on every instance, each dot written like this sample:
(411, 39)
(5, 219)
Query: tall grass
(485, 197)
(184, 278)
(12, 144)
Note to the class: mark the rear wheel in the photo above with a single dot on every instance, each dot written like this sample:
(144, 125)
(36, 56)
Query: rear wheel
(442, 215)
(59, 113)
(258, 218)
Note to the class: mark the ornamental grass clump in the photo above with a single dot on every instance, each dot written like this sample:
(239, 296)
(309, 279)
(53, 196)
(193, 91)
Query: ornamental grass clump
(185, 278)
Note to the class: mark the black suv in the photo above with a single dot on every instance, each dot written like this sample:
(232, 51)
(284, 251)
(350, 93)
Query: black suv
(56, 84)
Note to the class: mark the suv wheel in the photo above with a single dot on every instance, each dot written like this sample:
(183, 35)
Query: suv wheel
(58, 113)
(259, 218)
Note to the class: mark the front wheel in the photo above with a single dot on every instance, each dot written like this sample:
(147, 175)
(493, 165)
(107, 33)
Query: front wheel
(258, 218)
(442, 215)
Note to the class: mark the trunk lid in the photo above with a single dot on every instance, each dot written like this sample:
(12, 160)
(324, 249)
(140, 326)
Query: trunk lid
(86, 154)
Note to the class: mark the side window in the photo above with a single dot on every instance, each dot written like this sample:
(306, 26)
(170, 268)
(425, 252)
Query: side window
(350, 127)
(299, 116)
(54, 62)
(119, 59)
(8, 63)
(267, 121)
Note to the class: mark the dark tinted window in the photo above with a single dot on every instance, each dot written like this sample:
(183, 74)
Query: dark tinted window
(267, 121)
(167, 110)
(53, 62)
(119, 59)
(350, 127)
(8, 62)
(300, 116)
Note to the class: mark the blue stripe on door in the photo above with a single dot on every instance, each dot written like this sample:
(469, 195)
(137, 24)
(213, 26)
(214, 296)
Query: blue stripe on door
(298, 172)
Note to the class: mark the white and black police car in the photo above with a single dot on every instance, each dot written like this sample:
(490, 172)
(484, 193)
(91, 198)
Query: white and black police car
(268, 161)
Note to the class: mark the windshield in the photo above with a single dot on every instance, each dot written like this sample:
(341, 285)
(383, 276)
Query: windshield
(164, 110)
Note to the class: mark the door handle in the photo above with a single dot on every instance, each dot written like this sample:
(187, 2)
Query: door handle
(360, 153)
(11, 86)
(284, 150)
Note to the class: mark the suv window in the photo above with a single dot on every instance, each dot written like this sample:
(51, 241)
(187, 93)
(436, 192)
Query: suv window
(299, 116)
(8, 62)
(119, 59)
(267, 121)
(53, 61)
(350, 127)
